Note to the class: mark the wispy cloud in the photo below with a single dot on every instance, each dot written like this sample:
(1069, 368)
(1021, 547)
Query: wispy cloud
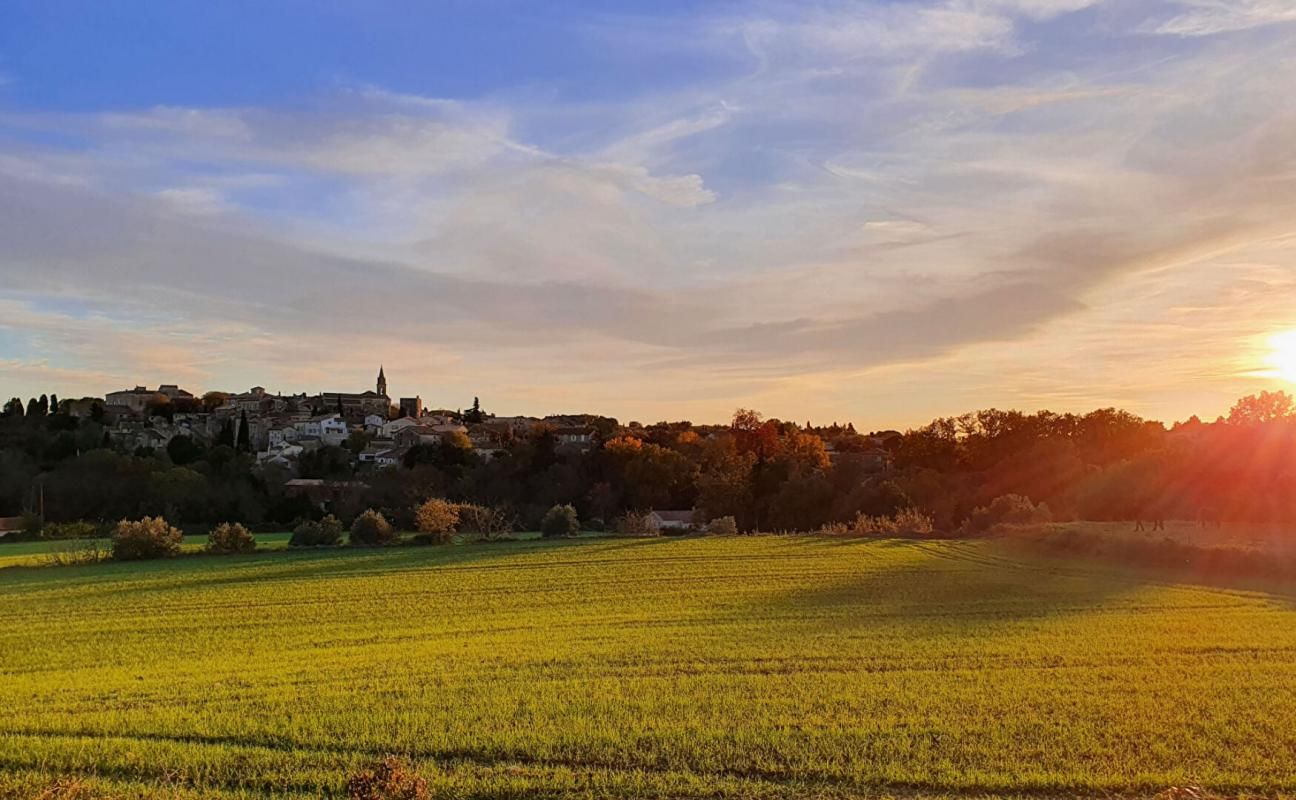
(1208, 17)
(881, 186)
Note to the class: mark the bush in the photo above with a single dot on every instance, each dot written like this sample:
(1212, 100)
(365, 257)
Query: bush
(637, 523)
(70, 530)
(723, 526)
(905, 522)
(437, 517)
(325, 533)
(151, 537)
(489, 523)
(913, 522)
(372, 528)
(389, 779)
(560, 521)
(1007, 509)
(228, 538)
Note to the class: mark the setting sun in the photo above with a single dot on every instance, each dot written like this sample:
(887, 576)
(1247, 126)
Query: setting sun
(1282, 355)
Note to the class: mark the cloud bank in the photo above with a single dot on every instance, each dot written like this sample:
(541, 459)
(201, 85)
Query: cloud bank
(874, 192)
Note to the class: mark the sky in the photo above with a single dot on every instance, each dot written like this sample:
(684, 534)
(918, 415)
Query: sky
(879, 211)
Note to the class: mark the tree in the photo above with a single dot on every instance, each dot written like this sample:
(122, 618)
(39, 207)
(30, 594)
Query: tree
(722, 526)
(325, 533)
(213, 400)
(33, 408)
(438, 517)
(14, 408)
(53, 404)
(560, 521)
(328, 462)
(475, 414)
(226, 436)
(151, 537)
(372, 528)
(1258, 409)
(229, 538)
(183, 450)
(244, 434)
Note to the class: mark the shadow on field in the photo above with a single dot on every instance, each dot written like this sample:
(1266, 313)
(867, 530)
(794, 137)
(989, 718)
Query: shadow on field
(199, 571)
(941, 588)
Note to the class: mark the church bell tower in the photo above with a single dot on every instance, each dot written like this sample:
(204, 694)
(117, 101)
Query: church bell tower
(382, 382)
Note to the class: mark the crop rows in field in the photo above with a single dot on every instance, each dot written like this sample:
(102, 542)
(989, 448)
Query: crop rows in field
(727, 667)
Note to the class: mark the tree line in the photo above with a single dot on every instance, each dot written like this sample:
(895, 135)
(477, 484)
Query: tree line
(767, 474)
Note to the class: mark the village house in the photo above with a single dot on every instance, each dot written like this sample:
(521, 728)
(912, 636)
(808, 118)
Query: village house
(138, 400)
(354, 405)
(377, 447)
(391, 458)
(284, 454)
(426, 434)
(581, 438)
(672, 520)
(392, 427)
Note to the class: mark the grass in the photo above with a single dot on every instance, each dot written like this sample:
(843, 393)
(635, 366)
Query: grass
(32, 554)
(719, 667)
(1269, 537)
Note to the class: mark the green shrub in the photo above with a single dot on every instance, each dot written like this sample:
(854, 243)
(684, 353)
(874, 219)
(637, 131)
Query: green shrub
(723, 526)
(325, 533)
(372, 528)
(389, 779)
(151, 537)
(230, 537)
(560, 521)
(70, 530)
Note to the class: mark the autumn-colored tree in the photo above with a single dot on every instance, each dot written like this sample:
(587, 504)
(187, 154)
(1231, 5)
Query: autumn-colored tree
(437, 516)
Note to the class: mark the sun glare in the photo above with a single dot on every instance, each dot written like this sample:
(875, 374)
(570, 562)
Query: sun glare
(1282, 355)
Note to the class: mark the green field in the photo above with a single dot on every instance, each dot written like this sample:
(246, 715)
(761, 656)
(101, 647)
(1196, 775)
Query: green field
(34, 554)
(722, 667)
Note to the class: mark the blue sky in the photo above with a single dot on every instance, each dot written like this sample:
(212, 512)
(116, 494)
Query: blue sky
(875, 211)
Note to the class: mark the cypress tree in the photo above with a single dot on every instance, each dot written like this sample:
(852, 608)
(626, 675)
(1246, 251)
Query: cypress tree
(244, 438)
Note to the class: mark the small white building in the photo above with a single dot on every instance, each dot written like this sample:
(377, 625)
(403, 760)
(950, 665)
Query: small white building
(391, 427)
(665, 520)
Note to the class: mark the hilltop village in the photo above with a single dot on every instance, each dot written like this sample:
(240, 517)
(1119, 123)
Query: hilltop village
(377, 429)
(260, 455)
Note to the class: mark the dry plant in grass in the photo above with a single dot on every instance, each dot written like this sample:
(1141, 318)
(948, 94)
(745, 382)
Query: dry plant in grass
(389, 779)
(1187, 793)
